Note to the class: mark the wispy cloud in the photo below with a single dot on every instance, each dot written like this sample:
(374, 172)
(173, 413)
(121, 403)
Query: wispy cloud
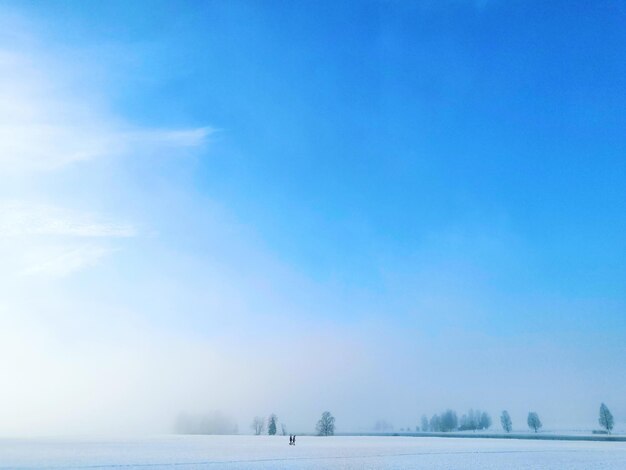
(170, 138)
(56, 262)
(51, 121)
(45, 123)
(41, 146)
(54, 242)
(23, 219)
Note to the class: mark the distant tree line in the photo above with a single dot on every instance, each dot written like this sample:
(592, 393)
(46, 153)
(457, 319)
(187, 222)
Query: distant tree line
(214, 422)
(473, 420)
(480, 420)
(447, 421)
(383, 426)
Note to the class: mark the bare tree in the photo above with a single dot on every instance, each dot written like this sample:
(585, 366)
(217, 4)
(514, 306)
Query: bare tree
(326, 424)
(505, 420)
(606, 418)
(258, 425)
(534, 422)
(283, 429)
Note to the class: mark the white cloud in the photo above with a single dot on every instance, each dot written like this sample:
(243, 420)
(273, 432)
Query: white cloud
(51, 241)
(52, 117)
(56, 262)
(41, 146)
(171, 138)
(48, 121)
(24, 219)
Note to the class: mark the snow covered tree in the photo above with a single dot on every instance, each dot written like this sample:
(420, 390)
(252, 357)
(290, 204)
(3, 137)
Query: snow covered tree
(425, 427)
(326, 424)
(606, 418)
(463, 423)
(435, 423)
(383, 425)
(485, 420)
(258, 425)
(448, 421)
(283, 429)
(271, 425)
(534, 422)
(505, 420)
(471, 421)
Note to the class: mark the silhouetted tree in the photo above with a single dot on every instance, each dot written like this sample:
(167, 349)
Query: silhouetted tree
(271, 425)
(435, 423)
(258, 425)
(449, 421)
(326, 424)
(463, 423)
(425, 427)
(534, 422)
(383, 426)
(505, 420)
(485, 420)
(606, 418)
(471, 421)
(473, 417)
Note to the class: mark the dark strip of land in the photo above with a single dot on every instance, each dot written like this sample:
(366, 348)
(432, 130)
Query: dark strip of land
(537, 436)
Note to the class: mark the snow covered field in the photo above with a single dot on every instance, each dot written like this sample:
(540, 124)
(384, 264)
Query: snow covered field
(336, 453)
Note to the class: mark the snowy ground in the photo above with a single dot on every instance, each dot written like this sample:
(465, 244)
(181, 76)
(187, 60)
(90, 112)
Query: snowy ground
(336, 453)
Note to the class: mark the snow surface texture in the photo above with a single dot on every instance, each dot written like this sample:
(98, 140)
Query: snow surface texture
(333, 453)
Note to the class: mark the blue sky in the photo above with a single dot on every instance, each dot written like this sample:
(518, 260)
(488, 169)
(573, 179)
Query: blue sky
(378, 177)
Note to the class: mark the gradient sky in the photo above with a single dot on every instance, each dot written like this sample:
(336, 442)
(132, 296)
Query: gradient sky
(379, 208)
